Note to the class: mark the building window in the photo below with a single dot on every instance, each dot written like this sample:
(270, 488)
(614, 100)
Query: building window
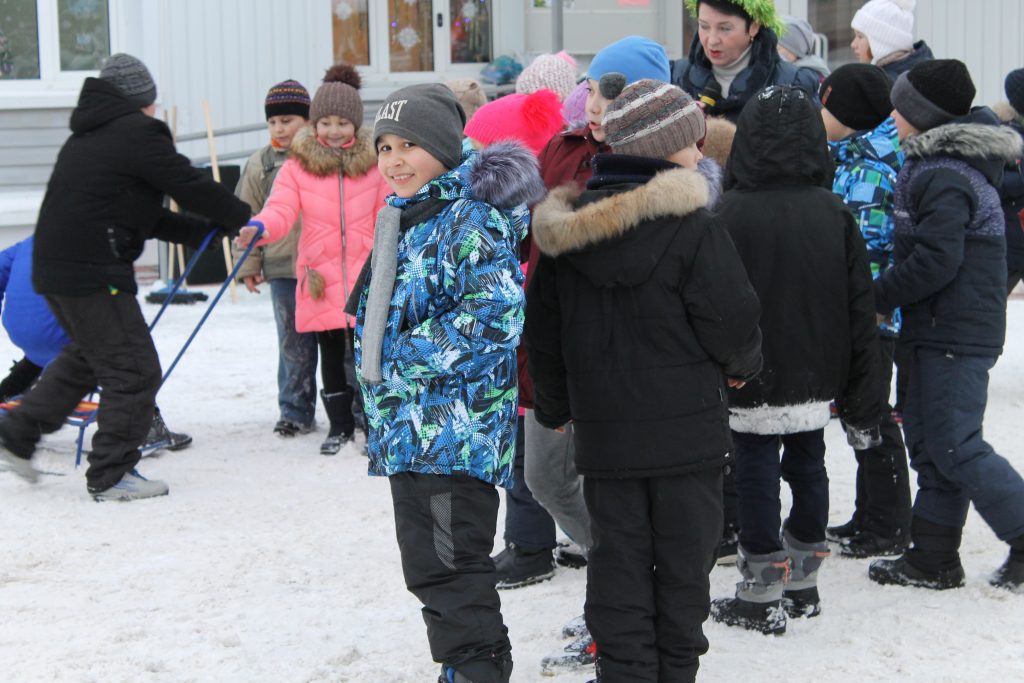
(832, 18)
(470, 31)
(19, 40)
(41, 39)
(84, 29)
(411, 35)
(351, 24)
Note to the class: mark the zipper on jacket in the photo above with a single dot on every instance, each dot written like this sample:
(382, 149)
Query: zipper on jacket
(113, 242)
(344, 260)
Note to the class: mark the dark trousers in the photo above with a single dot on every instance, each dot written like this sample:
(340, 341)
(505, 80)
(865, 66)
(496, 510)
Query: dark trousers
(955, 465)
(883, 480)
(527, 524)
(758, 473)
(334, 348)
(445, 527)
(296, 360)
(730, 501)
(111, 348)
(655, 542)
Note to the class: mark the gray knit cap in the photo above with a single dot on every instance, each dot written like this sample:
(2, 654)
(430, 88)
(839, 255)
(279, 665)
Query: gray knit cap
(131, 77)
(798, 37)
(653, 119)
(428, 115)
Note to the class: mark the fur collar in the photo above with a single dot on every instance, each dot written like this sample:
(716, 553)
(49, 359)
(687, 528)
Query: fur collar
(965, 141)
(323, 161)
(558, 228)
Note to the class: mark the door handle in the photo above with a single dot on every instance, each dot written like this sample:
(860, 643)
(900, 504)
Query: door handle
(440, 20)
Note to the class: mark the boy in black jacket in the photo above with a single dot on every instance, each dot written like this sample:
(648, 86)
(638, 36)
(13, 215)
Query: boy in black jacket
(103, 201)
(950, 282)
(638, 312)
(808, 264)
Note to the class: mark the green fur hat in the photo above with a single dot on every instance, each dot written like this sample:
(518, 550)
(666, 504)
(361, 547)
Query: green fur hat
(761, 11)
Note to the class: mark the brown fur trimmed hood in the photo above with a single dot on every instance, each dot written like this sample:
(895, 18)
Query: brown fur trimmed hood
(559, 228)
(321, 160)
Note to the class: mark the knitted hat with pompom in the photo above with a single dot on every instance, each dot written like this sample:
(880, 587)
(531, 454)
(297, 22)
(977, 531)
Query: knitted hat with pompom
(339, 96)
(530, 119)
(888, 25)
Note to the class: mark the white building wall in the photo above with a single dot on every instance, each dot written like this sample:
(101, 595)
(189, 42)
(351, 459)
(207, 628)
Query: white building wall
(984, 34)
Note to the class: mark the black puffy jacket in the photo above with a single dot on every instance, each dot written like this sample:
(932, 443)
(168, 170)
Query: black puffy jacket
(807, 261)
(949, 277)
(105, 197)
(638, 309)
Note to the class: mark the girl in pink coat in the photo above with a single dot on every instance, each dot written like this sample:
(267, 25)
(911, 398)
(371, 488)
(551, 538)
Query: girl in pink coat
(331, 178)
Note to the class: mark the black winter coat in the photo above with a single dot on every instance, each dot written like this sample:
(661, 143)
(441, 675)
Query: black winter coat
(808, 263)
(637, 311)
(949, 276)
(920, 53)
(1011, 192)
(105, 197)
(694, 75)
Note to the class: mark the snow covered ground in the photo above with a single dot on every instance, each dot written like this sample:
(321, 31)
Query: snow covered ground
(270, 562)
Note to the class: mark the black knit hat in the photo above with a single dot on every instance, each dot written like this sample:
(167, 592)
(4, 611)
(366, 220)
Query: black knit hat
(427, 114)
(857, 95)
(1015, 90)
(933, 93)
(287, 98)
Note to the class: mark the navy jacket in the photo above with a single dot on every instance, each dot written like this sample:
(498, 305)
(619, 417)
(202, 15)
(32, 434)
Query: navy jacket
(950, 249)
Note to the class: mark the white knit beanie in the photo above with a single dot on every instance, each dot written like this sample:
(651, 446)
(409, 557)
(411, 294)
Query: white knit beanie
(888, 26)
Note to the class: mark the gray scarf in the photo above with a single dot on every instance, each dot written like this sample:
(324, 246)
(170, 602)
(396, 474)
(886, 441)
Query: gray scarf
(383, 269)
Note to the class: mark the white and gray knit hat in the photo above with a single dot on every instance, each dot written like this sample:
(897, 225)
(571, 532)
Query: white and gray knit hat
(131, 77)
(653, 119)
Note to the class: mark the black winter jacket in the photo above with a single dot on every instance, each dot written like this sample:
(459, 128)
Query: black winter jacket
(808, 263)
(920, 53)
(638, 309)
(949, 276)
(105, 197)
(694, 75)
(1011, 192)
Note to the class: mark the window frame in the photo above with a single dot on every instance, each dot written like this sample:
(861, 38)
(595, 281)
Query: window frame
(55, 87)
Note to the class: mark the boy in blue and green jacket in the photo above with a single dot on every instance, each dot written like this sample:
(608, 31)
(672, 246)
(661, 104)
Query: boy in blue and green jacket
(439, 317)
(864, 144)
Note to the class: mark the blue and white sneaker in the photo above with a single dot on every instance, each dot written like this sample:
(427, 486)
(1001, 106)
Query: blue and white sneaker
(132, 486)
(20, 466)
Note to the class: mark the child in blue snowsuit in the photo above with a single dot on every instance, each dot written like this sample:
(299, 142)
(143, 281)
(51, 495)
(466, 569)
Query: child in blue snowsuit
(439, 317)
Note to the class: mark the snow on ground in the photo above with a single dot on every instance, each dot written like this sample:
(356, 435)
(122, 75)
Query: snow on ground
(270, 562)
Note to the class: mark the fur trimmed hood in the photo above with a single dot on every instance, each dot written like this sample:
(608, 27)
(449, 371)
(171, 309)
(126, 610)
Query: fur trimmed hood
(560, 228)
(968, 141)
(506, 174)
(321, 160)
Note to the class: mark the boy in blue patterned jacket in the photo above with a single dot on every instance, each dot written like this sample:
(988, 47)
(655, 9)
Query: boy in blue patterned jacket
(862, 138)
(439, 317)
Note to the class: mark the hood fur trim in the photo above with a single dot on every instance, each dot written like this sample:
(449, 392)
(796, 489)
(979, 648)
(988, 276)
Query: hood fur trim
(507, 174)
(324, 161)
(966, 141)
(559, 228)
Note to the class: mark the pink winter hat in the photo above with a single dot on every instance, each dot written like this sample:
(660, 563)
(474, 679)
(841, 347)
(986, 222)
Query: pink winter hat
(551, 72)
(530, 119)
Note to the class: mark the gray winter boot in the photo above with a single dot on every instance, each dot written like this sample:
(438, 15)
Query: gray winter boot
(800, 598)
(758, 602)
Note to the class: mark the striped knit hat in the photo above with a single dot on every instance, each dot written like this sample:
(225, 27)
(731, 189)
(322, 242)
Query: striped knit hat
(653, 119)
(287, 98)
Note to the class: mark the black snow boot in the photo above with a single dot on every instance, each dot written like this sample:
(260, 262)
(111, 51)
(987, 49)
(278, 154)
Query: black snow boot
(496, 670)
(932, 562)
(23, 375)
(843, 532)
(1011, 574)
(758, 602)
(338, 407)
(515, 567)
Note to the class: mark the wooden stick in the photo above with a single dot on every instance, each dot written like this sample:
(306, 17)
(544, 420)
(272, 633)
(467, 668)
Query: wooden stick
(216, 176)
(174, 205)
